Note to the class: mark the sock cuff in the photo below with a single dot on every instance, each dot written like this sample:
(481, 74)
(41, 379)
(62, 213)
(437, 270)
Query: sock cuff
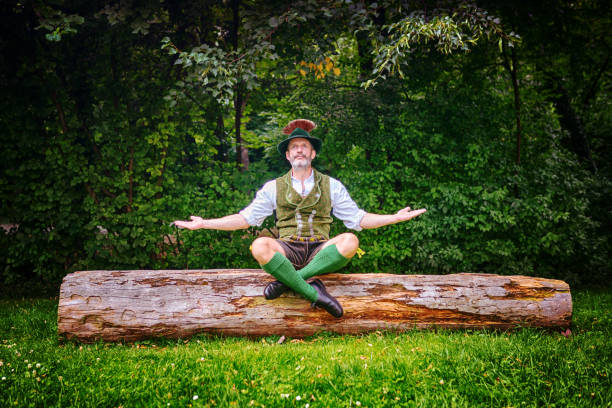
(331, 252)
(277, 260)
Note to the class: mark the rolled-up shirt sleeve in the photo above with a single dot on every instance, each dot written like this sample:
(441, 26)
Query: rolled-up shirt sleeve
(343, 206)
(262, 206)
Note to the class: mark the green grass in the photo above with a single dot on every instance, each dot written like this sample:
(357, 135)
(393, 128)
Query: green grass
(526, 367)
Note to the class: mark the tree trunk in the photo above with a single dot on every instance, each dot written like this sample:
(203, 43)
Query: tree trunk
(133, 305)
(571, 121)
(511, 66)
(242, 154)
(220, 134)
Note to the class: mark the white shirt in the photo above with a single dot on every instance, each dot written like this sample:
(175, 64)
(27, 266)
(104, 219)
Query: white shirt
(343, 206)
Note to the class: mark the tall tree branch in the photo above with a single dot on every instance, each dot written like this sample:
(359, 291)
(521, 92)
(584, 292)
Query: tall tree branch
(590, 94)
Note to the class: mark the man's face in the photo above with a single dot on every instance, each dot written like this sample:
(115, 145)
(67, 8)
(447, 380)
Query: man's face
(300, 153)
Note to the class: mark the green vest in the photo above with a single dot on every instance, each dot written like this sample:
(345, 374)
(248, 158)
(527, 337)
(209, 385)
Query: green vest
(306, 218)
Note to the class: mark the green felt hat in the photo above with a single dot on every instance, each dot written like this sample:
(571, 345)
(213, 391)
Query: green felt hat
(299, 128)
(300, 133)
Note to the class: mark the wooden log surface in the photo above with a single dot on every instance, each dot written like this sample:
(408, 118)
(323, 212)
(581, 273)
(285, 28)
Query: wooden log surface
(139, 304)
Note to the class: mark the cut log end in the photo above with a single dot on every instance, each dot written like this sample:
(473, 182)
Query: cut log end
(134, 305)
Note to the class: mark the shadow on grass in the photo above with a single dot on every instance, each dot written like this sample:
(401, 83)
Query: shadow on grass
(29, 289)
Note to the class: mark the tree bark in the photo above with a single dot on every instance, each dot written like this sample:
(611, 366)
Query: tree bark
(133, 305)
(131, 180)
(242, 154)
(571, 121)
(60, 112)
(511, 66)
(220, 133)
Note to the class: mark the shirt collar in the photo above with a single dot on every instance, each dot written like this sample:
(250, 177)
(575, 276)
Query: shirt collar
(308, 180)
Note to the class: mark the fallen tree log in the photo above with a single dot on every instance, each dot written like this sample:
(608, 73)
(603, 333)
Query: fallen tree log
(133, 305)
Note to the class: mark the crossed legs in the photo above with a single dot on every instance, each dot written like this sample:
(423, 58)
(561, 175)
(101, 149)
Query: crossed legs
(333, 255)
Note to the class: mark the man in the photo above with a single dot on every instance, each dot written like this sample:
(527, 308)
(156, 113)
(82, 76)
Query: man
(304, 200)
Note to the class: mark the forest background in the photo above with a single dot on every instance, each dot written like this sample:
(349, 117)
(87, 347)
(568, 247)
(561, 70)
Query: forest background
(119, 117)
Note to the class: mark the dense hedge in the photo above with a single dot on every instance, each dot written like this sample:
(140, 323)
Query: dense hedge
(475, 222)
(106, 138)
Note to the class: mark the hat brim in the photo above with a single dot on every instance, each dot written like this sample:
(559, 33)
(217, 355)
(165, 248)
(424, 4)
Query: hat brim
(317, 144)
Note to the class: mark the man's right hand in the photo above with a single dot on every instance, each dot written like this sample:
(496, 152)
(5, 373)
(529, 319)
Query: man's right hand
(195, 223)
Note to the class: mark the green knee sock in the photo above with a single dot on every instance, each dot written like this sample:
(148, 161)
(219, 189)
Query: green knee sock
(325, 261)
(282, 269)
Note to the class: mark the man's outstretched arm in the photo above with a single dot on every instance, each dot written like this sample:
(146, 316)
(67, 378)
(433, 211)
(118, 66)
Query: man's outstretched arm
(370, 220)
(228, 223)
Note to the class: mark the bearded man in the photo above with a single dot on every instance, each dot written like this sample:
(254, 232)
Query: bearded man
(304, 201)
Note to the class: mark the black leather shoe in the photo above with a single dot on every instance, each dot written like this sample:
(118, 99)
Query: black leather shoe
(325, 300)
(274, 290)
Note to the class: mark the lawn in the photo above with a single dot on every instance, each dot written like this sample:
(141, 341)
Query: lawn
(522, 368)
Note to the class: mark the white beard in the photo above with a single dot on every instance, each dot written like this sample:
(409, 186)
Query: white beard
(300, 164)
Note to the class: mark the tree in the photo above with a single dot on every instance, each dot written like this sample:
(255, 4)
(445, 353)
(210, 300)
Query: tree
(567, 42)
(121, 116)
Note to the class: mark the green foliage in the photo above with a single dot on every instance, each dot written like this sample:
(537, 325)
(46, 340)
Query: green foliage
(443, 30)
(214, 192)
(425, 368)
(57, 23)
(122, 123)
(433, 156)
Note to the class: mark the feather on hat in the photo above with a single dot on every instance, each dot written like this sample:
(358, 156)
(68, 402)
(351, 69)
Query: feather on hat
(307, 125)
